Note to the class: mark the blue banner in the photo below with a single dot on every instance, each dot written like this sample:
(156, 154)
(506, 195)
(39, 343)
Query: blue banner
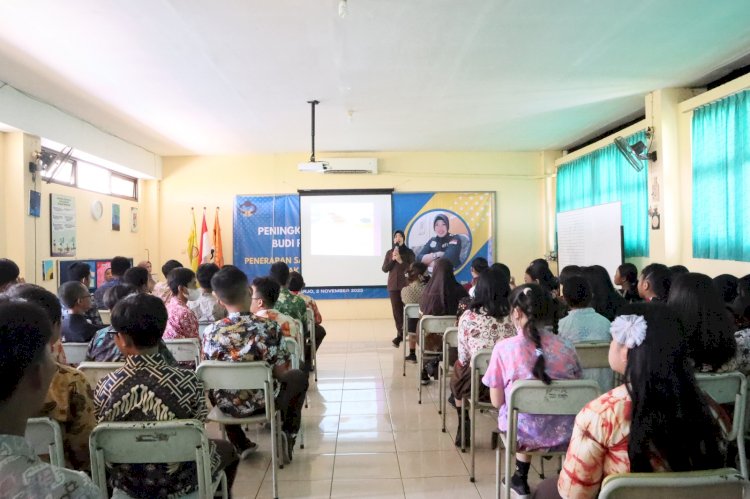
(267, 230)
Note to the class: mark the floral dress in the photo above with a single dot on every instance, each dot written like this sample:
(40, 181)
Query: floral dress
(182, 322)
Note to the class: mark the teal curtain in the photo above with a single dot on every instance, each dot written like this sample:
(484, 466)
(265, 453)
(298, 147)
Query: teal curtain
(721, 179)
(605, 176)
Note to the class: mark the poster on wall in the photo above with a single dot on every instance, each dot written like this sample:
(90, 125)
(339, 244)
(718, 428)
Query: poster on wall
(35, 203)
(62, 225)
(134, 219)
(453, 225)
(115, 216)
(48, 270)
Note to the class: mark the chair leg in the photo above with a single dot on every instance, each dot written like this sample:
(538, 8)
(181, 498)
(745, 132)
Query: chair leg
(541, 467)
(420, 366)
(463, 425)
(473, 427)
(274, 455)
(742, 457)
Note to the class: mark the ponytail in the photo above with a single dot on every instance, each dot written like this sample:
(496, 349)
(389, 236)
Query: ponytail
(534, 303)
(532, 333)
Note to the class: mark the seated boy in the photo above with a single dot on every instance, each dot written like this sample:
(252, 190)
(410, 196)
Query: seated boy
(148, 389)
(77, 299)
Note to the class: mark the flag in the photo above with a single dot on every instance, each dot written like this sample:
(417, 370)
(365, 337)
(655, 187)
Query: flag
(204, 250)
(216, 243)
(192, 250)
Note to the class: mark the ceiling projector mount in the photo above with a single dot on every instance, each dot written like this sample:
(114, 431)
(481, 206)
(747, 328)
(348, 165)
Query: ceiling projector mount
(313, 165)
(637, 153)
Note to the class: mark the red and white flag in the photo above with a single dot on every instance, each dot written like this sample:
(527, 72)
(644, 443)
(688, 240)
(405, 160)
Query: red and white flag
(204, 251)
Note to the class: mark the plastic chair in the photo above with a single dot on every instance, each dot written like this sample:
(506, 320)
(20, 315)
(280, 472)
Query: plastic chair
(106, 316)
(450, 340)
(729, 388)
(564, 397)
(94, 371)
(595, 355)
(480, 361)
(225, 375)
(45, 436)
(432, 324)
(293, 347)
(725, 483)
(180, 440)
(185, 349)
(75, 353)
(311, 339)
(411, 311)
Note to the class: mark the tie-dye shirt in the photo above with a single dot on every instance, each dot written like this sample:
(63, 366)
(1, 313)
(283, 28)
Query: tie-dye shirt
(513, 359)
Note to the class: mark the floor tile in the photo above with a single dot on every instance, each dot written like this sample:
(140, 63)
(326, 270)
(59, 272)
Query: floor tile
(364, 442)
(422, 441)
(365, 423)
(377, 488)
(384, 465)
(434, 463)
(440, 487)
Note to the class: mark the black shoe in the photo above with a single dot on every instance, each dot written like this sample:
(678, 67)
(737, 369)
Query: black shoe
(452, 401)
(520, 486)
(396, 342)
(411, 358)
(425, 380)
(247, 448)
(467, 442)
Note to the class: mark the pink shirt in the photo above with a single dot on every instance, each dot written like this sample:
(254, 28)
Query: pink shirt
(182, 322)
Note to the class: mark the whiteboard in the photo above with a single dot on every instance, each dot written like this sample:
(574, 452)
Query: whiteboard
(591, 236)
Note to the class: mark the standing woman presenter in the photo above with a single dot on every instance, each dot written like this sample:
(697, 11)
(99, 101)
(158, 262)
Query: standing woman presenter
(396, 264)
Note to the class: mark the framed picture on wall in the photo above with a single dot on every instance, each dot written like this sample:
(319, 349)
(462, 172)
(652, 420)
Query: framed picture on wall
(133, 219)
(62, 225)
(115, 216)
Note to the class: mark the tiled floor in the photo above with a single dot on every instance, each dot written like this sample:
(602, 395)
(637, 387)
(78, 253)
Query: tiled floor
(366, 436)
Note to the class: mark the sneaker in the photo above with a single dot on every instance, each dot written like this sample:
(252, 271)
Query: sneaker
(396, 342)
(411, 358)
(246, 449)
(425, 378)
(520, 486)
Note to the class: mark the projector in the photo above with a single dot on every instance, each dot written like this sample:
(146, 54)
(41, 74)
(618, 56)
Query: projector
(314, 166)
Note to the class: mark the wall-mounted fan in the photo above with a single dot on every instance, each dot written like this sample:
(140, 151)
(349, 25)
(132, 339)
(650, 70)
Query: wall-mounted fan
(636, 153)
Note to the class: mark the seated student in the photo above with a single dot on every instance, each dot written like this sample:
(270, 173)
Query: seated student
(148, 389)
(417, 278)
(605, 299)
(207, 308)
(81, 272)
(654, 283)
(136, 277)
(636, 427)
(161, 288)
(147, 265)
(478, 265)
(9, 274)
(288, 304)
(26, 373)
(627, 278)
(243, 336)
(182, 322)
(118, 266)
(102, 347)
(69, 397)
(77, 299)
(727, 286)
(583, 324)
(296, 285)
(265, 294)
(534, 353)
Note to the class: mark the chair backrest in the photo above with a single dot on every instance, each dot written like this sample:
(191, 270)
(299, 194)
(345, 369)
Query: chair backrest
(436, 323)
(45, 436)
(727, 388)
(450, 340)
(310, 315)
(593, 354)
(75, 353)
(724, 483)
(562, 397)
(185, 349)
(225, 375)
(173, 441)
(411, 311)
(480, 361)
(106, 316)
(94, 371)
(293, 347)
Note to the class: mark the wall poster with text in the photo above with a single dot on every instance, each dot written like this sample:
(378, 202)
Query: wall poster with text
(62, 225)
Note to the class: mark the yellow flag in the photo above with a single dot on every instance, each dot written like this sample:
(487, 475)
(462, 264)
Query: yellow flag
(218, 250)
(192, 248)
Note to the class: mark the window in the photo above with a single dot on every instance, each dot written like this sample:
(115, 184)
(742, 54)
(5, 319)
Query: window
(91, 177)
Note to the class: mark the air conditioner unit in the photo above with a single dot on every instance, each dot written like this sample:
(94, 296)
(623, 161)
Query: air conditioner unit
(351, 165)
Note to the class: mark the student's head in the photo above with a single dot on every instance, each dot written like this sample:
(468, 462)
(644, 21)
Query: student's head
(280, 273)
(169, 266)
(108, 274)
(81, 272)
(26, 362)
(567, 272)
(529, 311)
(727, 286)
(577, 292)
(442, 292)
(296, 282)
(491, 294)
(669, 415)
(46, 300)
(204, 274)
(676, 270)
(117, 293)
(265, 293)
(627, 275)
(538, 272)
(138, 322)
(655, 282)
(398, 238)
(146, 265)
(708, 328)
(231, 287)
(417, 272)
(743, 286)
(501, 267)
(182, 283)
(441, 225)
(479, 265)
(9, 273)
(137, 277)
(75, 296)
(119, 265)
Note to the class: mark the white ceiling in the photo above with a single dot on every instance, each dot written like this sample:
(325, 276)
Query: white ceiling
(233, 76)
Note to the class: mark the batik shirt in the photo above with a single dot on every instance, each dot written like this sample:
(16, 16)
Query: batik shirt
(70, 402)
(477, 331)
(162, 291)
(207, 308)
(148, 389)
(287, 325)
(513, 359)
(293, 306)
(24, 476)
(311, 304)
(102, 348)
(243, 338)
(182, 323)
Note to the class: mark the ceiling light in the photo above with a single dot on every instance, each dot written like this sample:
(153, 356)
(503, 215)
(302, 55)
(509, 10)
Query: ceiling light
(343, 9)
